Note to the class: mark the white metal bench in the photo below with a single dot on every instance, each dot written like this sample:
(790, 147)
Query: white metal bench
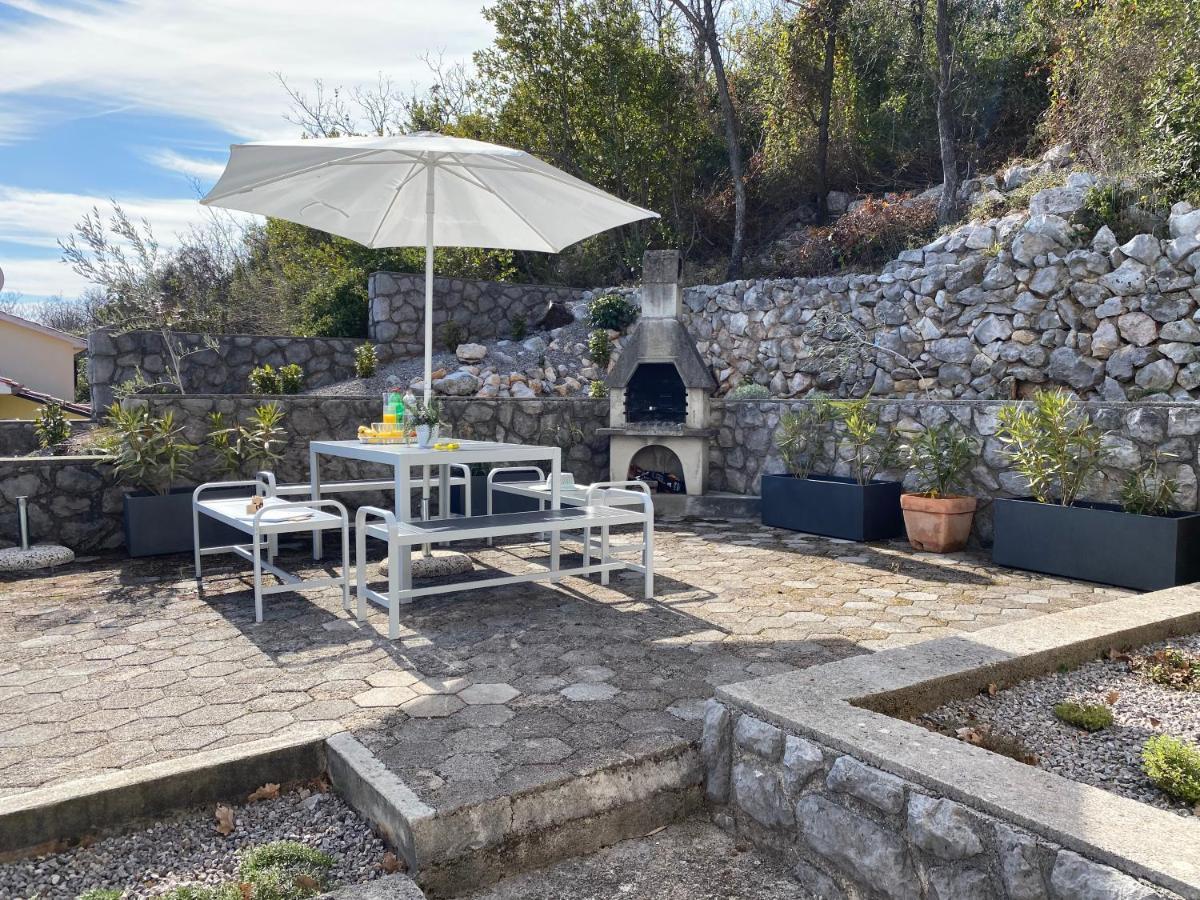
(598, 512)
(539, 488)
(277, 516)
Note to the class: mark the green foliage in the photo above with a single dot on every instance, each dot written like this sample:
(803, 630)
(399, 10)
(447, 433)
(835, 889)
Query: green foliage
(243, 449)
(83, 386)
(748, 390)
(599, 347)
(148, 451)
(879, 229)
(1052, 443)
(290, 857)
(873, 448)
(365, 361)
(1088, 716)
(1125, 210)
(1174, 767)
(611, 311)
(101, 894)
(51, 427)
(518, 327)
(291, 378)
(427, 414)
(1148, 491)
(597, 390)
(453, 334)
(941, 455)
(264, 380)
(1172, 667)
(1017, 199)
(282, 870)
(804, 436)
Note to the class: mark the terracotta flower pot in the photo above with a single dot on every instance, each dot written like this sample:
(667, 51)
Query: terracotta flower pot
(939, 525)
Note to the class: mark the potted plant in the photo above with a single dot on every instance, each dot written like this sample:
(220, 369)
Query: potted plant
(150, 454)
(1141, 543)
(426, 418)
(936, 519)
(807, 498)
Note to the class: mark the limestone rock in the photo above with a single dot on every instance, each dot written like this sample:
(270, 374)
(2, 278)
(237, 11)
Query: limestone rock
(1138, 328)
(1129, 278)
(858, 847)
(960, 884)
(760, 795)
(1019, 868)
(1156, 376)
(880, 789)
(1069, 367)
(1076, 878)
(1184, 223)
(716, 749)
(954, 350)
(759, 737)
(1145, 248)
(1104, 241)
(1105, 339)
(471, 353)
(457, 384)
(801, 760)
(942, 827)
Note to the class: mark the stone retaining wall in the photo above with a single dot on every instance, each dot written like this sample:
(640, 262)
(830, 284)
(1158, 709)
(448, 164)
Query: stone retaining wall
(17, 436)
(73, 500)
(853, 830)
(224, 369)
(483, 309)
(744, 448)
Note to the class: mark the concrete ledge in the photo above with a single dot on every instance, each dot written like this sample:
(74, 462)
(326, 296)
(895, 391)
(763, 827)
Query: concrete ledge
(712, 505)
(390, 887)
(41, 820)
(473, 845)
(842, 706)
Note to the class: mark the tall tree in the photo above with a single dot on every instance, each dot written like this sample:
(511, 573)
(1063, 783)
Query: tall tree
(701, 16)
(944, 42)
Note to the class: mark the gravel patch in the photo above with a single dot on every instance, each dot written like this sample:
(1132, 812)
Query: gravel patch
(188, 850)
(562, 348)
(1108, 759)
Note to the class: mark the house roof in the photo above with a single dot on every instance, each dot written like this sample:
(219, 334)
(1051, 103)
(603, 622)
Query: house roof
(77, 343)
(16, 389)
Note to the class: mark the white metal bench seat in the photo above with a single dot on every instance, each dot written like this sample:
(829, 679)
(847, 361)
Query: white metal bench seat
(401, 537)
(276, 516)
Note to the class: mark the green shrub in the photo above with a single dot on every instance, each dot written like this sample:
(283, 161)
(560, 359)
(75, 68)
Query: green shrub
(337, 308)
(1052, 443)
(879, 229)
(611, 311)
(52, 427)
(1174, 767)
(749, 390)
(1148, 491)
(291, 379)
(873, 447)
(264, 380)
(242, 450)
(599, 347)
(1126, 211)
(283, 870)
(453, 334)
(518, 327)
(597, 390)
(1088, 716)
(941, 456)
(1016, 199)
(365, 361)
(101, 894)
(148, 452)
(804, 436)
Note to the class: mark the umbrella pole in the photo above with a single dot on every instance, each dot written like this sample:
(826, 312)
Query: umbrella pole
(428, 331)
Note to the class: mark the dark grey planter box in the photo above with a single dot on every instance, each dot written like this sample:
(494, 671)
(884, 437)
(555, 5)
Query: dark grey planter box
(157, 524)
(1097, 542)
(833, 506)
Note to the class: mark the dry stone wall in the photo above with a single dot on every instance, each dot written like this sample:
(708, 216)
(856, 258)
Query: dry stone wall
(852, 830)
(73, 500)
(114, 358)
(483, 310)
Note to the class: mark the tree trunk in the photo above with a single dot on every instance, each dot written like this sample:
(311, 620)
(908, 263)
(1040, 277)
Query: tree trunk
(945, 114)
(732, 145)
(823, 121)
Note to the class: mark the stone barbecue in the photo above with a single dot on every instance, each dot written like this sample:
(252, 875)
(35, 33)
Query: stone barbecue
(660, 388)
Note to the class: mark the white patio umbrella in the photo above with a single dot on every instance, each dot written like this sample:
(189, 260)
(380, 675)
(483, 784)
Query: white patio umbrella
(421, 189)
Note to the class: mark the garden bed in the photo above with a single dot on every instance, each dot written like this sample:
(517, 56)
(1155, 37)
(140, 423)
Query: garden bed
(188, 849)
(1020, 721)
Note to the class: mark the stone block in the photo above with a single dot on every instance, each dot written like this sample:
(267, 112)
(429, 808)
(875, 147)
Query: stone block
(942, 827)
(857, 846)
(759, 737)
(716, 750)
(1077, 878)
(879, 789)
(801, 760)
(759, 793)
(1019, 869)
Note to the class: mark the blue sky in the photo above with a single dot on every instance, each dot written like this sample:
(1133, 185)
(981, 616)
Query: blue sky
(135, 100)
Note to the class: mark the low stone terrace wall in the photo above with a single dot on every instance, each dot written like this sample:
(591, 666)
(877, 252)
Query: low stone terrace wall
(744, 449)
(73, 500)
(223, 369)
(17, 436)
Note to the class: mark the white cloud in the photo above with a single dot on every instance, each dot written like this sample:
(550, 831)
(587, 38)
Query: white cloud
(214, 60)
(40, 277)
(205, 169)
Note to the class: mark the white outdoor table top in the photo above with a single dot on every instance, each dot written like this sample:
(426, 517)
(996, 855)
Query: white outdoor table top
(467, 452)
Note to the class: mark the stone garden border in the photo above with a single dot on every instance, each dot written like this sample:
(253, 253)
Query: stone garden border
(812, 764)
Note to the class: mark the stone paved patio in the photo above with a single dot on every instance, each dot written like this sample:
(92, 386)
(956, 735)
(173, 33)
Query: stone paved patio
(114, 663)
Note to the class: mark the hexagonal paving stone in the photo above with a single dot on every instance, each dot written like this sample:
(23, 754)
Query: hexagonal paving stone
(259, 723)
(393, 678)
(589, 690)
(480, 694)
(484, 715)
(432, 706)
(384, 696)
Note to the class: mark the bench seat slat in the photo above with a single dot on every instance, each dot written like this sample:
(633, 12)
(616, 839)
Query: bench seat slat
(501, 524)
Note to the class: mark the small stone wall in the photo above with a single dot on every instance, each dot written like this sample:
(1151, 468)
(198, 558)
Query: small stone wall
(483, 309)
(744, 448)
(853, 830)
(17, 436)
(224, 369)
(73, 500)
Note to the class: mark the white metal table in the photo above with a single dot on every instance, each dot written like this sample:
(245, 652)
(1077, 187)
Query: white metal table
(404, 457)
